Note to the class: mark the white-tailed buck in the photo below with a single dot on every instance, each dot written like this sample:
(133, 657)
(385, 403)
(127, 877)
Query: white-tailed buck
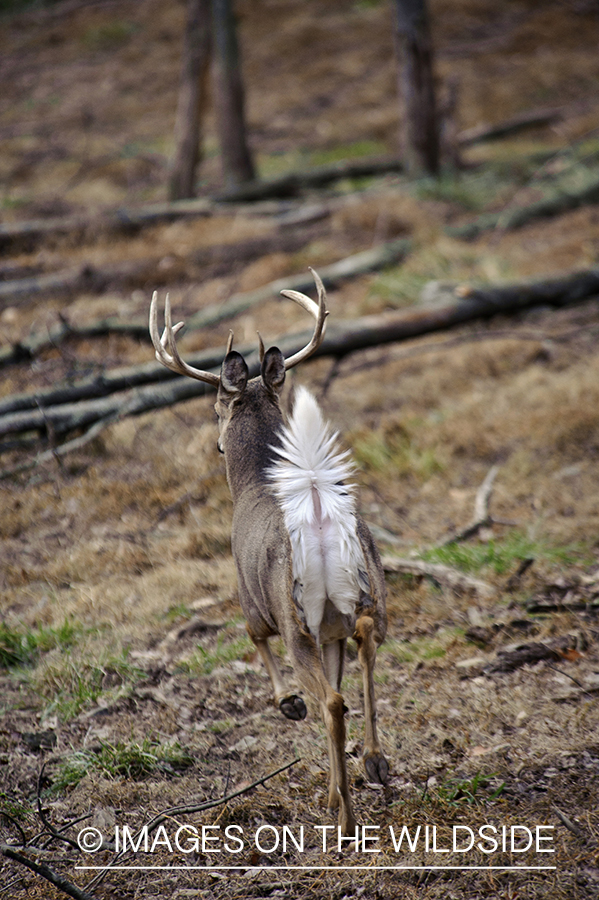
(307, 565)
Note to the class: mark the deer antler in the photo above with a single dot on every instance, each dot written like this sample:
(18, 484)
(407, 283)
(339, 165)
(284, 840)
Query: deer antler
(320, 313)
(168, 354)
(166, 346)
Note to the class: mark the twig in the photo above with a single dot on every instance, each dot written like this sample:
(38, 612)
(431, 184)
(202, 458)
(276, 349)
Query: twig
(444, 575)
(384, 356)
(67, 887)
(575, 829)
(14, 822)
(481, 518)
(331, 375)
(210, 804)
(531, 119)
(187, 810)
(45, 821)
(571, 677)
(57, 452)
(514, 580)
(65, 827)
(53, 451)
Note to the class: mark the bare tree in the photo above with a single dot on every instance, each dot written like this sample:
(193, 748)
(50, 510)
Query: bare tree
(413, 46)
(238, 166)
(192, 100)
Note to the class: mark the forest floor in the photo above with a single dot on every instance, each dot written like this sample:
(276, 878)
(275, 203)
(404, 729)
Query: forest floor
(127, 682)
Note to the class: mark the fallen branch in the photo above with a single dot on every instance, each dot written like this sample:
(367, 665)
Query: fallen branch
(40, 868)
(481, 518)
(531, 119)
(199, 807)
(28, 235)
(57, 452)
(530, 654)
(68, 408)
(362, 263)
(513, 334)
(561, 202)
(387, 254)
(442, 575)
(93, 279)
(293, 183)
(571, 826)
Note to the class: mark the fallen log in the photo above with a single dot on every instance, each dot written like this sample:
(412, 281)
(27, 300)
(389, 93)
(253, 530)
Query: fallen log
(441, 574)
(533, 118)
(508, 660)
(68, 407)
(134, 390)
(293, 183)
(362, 263)
(27, 235)
(563, 201)
(138, 273)
(387, 254)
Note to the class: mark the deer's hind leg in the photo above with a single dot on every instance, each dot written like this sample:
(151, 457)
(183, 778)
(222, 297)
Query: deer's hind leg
(333, 657)
(308, 666)
(377, 768)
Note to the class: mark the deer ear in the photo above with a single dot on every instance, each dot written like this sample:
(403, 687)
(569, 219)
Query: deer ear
(233, 374)
(273, 370)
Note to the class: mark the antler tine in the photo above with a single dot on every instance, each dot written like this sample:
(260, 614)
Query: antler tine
(260, 347)
(166, 346)
(318, 311)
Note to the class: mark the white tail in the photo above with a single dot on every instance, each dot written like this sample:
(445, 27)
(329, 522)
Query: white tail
(312, 482)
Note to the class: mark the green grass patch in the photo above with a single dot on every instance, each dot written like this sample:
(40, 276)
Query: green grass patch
(422, 648)
(129, 760)
(21, 648)
(71, 683)
(472, 791)
(355, 150)
(13, 808)
(502, 555)
(473, 191)
(274, 164)
(396, 288)
(395, 452)
(204, 661)
(220, 726)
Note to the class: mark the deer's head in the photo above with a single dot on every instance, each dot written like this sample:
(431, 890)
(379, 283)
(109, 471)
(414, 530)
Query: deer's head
(236, 393)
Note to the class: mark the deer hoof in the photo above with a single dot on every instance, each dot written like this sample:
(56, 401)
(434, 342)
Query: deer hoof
(377, 768)
(293, 707)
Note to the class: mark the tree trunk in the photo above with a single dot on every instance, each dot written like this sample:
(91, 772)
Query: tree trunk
(192, 100)
(229, 98)
(413, 47)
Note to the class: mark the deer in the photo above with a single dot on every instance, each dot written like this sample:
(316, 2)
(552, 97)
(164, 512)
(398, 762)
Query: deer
(307, 565)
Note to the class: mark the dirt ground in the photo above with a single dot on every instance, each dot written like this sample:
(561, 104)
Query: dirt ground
(127, 683)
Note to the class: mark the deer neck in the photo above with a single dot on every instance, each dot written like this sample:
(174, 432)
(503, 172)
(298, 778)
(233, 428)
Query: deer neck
(251, 435)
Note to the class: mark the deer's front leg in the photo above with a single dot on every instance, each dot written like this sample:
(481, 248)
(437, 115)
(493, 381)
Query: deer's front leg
(377, 768)
(292, 706)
